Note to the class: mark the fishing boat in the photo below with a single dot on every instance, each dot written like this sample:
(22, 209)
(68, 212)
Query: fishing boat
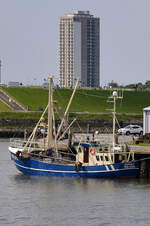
(53, 155)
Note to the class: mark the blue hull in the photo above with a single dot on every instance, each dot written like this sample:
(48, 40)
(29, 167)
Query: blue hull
(36, 167)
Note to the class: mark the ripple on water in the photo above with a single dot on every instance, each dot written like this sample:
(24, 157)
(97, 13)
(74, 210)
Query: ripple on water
(50, 201)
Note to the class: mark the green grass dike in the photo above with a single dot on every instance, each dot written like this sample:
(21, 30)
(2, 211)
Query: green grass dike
(88, 104)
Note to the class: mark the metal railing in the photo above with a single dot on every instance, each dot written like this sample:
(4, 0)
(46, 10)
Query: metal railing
(20, 143)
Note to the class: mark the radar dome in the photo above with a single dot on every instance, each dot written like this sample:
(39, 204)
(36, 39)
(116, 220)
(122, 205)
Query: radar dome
(115, 94)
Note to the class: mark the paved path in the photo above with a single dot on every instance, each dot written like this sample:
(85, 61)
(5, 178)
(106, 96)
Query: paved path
(103, 138)
(107, 139)
(12, 103)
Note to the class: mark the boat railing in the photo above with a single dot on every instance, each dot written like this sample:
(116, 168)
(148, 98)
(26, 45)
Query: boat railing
(58, 159)
(18, 143)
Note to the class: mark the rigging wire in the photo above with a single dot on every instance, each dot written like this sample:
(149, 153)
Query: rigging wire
(92, 95)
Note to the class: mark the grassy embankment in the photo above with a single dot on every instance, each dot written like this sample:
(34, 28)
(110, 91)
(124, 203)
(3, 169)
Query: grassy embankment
(88, 104)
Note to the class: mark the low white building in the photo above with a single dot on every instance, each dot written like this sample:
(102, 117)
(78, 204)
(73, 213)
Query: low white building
(13, 84)
(146, 120)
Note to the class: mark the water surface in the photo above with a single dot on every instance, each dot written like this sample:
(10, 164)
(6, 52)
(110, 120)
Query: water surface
(56, 201)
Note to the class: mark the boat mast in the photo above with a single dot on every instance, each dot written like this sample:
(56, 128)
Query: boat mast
(50, 114)
(114, 118)
(67, 109)
(115, 96)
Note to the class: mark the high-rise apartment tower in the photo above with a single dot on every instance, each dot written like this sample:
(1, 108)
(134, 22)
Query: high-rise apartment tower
(79, 49)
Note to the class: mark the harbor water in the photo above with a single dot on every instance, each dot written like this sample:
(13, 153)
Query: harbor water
(55, 201)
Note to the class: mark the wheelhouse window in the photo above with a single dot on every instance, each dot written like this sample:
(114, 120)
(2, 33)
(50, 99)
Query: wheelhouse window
(106, 158)
(100, 149)
(101, 158)
(97, 158)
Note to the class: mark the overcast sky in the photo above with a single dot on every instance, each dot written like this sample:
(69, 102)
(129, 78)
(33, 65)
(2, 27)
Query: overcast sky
(29, 38)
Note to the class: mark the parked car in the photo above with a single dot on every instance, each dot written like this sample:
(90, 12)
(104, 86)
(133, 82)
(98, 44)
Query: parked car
(131, 129)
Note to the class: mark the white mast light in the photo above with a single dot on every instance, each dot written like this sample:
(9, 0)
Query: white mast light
(115, 94)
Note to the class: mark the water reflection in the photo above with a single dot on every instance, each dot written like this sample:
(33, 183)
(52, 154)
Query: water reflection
(40, 200)
(83, 185)
(19, 177)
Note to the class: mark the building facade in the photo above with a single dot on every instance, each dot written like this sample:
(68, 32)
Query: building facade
(79, 49)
